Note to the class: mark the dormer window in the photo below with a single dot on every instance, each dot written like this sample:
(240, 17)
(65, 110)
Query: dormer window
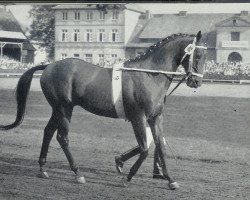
(235, 22)
(183, 13)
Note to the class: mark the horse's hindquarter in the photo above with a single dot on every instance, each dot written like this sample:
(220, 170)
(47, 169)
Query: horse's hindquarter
(77, 82)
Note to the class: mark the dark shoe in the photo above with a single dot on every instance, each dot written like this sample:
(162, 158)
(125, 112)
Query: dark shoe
(119, 164)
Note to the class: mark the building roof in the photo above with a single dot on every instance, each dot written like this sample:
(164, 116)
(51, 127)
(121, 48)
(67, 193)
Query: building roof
(8, 22)
(135, 7)
(13, 35)
(229, 22)
(134, 40)
(131, 6)
(10, 30)
(28, 46)
(161, 26)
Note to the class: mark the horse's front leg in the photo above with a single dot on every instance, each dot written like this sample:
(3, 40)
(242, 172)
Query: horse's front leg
(139, 127)
(156, 125)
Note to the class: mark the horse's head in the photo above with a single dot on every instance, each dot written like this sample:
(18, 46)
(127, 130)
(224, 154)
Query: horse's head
(193, 61)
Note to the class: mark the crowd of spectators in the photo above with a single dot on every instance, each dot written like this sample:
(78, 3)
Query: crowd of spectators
(212, 70)
(227, 70)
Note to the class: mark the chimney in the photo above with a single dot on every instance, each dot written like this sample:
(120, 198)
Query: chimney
(148, 14)
(183, 13)
(244, 13)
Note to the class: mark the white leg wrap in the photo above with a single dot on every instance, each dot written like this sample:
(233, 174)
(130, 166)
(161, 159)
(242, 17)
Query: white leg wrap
(149, 136)
(173, 186)
(43, 174)
(80, 179)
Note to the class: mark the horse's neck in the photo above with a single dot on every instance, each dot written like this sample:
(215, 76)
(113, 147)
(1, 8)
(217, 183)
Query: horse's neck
(160, 81)
(164, 63)
(165, 59)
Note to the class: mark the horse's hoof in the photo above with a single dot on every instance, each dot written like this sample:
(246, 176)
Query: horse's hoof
(118, 164)
(80, 179)
(173, 186)
(43, 174)
(124, 181)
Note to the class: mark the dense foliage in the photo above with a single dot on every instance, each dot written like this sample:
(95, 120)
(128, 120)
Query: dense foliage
(43, 27)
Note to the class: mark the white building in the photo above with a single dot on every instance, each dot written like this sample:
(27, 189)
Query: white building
(89, 32)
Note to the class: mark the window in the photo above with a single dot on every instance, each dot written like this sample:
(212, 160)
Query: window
(64, 55)
(77, 15)
(114, 56)
(88, 58)
(76, 35)
(101, 35)
(102, 15)
(115, 14)
(235, 22)
(89, 15)
(76, 55)
(235, 36)
(64, 35)
(101, 59)
(114, 35)
(89, 35)
(65, 16)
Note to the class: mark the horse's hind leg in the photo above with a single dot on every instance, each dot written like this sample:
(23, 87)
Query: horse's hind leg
(156, 125)
(62, 137)
(48, 134)
(139, 126)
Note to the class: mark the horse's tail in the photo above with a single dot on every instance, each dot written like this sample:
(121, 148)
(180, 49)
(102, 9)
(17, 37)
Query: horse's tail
(22, 91)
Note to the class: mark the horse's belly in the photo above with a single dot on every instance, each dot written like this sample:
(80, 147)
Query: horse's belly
(102, 107)
(97, 99)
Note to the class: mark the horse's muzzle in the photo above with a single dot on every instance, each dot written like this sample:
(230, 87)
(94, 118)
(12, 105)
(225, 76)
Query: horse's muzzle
(193, 82)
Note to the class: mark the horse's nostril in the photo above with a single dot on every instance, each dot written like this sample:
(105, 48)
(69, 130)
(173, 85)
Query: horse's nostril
(198, 83)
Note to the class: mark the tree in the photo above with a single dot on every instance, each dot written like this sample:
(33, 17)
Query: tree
(106, 7)
(43, 27)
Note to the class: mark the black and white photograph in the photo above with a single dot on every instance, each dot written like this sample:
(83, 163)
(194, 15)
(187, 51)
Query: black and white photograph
(124, 100)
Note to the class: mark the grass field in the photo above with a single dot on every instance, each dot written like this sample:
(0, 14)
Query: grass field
(210, 137)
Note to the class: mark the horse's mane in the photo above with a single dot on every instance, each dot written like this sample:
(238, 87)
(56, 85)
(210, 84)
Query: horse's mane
(157, 46)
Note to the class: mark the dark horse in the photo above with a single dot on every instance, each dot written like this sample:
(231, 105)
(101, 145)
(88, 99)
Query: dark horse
(70, 82)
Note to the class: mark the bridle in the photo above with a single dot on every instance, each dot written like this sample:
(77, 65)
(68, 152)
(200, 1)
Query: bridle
(189, 50)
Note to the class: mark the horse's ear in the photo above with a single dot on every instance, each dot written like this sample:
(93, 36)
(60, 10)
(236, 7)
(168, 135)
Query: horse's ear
(198, 36)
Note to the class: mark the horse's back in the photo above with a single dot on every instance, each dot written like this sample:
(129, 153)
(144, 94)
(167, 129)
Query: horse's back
(76, 82)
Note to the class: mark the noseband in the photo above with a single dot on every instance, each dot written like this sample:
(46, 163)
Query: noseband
(189, 50)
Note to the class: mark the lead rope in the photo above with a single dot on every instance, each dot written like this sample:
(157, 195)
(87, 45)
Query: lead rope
(165, 140)
(180, 82)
